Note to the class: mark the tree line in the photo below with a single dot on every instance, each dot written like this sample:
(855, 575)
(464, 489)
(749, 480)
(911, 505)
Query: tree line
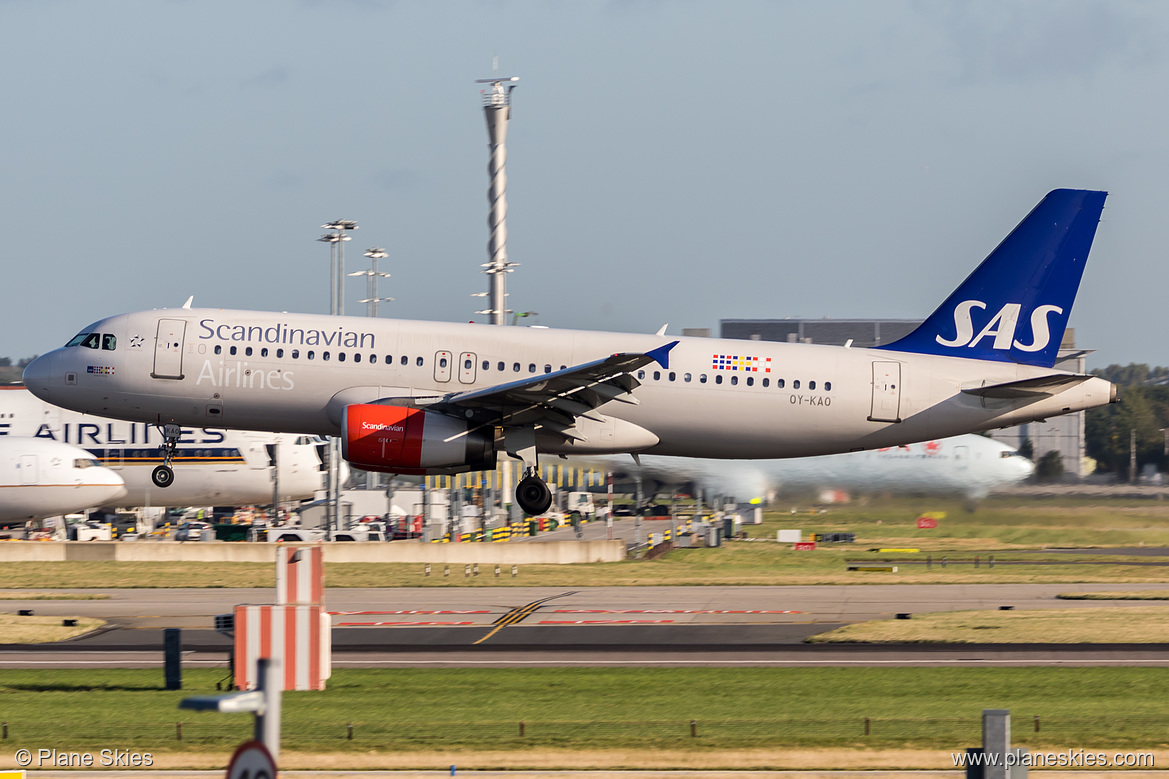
(1143, 407)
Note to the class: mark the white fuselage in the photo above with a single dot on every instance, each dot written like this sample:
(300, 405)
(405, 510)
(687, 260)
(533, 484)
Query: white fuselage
(969, 465)
(216, 467)
(43, 478)
(718, 398)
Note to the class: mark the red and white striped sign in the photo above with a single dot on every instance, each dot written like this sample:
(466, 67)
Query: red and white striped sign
(297, 634)
(300, 574)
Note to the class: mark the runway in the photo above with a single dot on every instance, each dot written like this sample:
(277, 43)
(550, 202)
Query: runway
(517, 626)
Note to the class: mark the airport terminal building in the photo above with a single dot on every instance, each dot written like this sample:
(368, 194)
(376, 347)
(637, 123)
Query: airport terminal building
(1064, 434)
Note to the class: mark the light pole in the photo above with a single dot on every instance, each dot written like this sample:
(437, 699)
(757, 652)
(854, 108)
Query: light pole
(336, 241)
(339, 228)
(371, 276)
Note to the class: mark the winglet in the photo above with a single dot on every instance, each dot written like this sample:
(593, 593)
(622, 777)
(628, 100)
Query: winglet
(661, 355)
(662, 330)
(190, 300)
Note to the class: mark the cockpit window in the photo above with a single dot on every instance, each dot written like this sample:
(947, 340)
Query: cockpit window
(82, 462)
(1009, 453)
(109, 342)
(77, 339)
(92, 341)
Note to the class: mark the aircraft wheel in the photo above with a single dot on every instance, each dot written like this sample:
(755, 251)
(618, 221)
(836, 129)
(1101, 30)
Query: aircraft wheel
(533, 495)
(163, 476)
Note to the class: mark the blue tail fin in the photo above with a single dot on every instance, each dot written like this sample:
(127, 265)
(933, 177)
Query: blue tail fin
(1014, 307)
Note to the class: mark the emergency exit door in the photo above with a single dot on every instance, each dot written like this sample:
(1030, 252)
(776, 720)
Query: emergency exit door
(168, 349)
(886, 392)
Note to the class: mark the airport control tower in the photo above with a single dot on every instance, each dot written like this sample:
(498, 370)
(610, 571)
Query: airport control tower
(497, 107)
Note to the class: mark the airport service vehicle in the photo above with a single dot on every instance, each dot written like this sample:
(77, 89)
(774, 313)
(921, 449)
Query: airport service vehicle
(40, 478)
(426, 397)
(192, 531)
(967, 465)
(222, 467)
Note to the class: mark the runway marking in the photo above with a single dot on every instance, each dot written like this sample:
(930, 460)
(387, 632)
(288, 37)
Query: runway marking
(605, 621)
(414, 611)
(361, 624)
(521, 613)
(673, 611)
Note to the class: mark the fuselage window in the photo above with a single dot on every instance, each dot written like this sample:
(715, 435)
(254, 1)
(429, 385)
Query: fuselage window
(389, 359)
(811, 385)
(531, 367)
(279, 353)
(309, 354)
(718, 379)
(264, 352)
(357, 357)
(796, 384)
(827, 386)
(657, 375)
(547, 369)
(340, 356)
(418, 361)
(641, 374)
(515, 366)
(218, 349)
(296, 354)
(405, 360)
(686, 377)
(563, 367)
(373, 359)
(247, 351)
(779, 383)
(499, 366)
(702, 378)
(109, 342)
(487, 365)
(442, 362)
(232, 350)
(325, 356)
(766, 382)
(734, 380)
(673, 375)
(750, 381)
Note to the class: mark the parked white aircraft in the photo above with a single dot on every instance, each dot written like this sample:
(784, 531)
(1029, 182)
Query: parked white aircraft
(967, 465)
(41, 478)
(216, 467)
(428, 397)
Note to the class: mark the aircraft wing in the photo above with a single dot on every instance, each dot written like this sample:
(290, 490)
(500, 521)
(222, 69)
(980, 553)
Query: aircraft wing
(554, 400)
(1028, 388)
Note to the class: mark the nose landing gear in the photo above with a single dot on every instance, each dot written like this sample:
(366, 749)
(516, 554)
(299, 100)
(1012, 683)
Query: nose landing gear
(163, 476)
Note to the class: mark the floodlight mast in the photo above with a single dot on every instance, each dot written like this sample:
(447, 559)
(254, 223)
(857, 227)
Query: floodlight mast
(497, 108)
(372, 274)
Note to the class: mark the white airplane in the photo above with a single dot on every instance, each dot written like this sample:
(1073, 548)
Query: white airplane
(966, 465)
(217, 467)
(41, 478)
(428, 397)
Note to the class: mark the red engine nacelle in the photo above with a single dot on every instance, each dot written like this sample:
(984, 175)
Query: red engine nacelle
(396, 439)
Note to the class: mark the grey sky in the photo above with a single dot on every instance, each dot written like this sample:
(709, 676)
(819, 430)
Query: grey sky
(672, 162)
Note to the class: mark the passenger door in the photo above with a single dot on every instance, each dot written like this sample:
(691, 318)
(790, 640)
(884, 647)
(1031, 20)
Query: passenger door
(168, 349)
(886, 392)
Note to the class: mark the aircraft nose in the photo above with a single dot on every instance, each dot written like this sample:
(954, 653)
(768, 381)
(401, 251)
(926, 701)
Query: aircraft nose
(38, 376)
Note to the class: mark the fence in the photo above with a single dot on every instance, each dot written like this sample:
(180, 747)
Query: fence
(338, 735)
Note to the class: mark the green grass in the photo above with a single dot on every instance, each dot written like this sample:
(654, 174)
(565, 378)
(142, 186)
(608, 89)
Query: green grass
(603, 709)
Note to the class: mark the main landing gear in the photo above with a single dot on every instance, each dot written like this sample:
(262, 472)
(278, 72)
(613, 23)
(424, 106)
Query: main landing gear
(164, 476)
(532, 493)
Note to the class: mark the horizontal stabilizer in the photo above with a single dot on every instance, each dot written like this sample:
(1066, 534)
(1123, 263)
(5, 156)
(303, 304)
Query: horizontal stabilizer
(1030, 388)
